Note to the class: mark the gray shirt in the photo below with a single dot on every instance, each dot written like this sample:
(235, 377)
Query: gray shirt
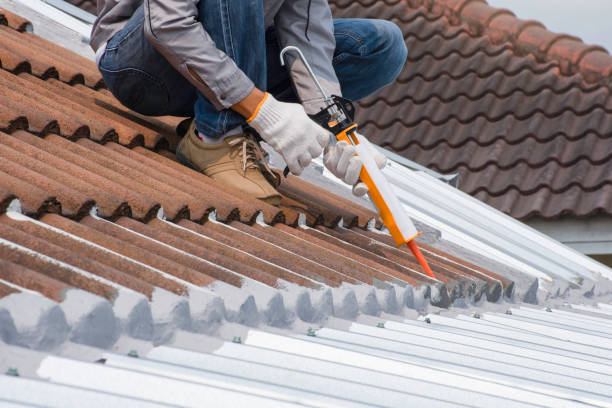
(173, 28)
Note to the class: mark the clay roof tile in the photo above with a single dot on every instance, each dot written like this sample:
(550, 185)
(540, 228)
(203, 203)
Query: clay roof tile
(14, 21)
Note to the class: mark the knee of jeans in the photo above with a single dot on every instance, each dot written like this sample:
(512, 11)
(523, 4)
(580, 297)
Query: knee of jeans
(393, 48)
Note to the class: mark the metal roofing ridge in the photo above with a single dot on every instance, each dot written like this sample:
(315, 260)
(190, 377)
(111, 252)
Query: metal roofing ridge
(521, 228)
(60, 16)
(499, 225)
(72, 10)
(299, 345)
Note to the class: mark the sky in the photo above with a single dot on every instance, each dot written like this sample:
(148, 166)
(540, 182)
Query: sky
(590, 20)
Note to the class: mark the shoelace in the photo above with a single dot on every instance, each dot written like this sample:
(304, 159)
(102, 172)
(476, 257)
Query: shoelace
(253, 157)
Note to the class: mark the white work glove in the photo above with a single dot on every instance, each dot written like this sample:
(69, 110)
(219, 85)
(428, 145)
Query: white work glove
(341, 161)
(288, 129)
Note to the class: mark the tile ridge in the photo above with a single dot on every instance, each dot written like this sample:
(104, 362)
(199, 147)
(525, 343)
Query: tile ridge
(592, 62)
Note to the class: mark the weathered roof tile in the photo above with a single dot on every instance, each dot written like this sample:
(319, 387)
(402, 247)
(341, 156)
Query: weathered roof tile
(510, 105)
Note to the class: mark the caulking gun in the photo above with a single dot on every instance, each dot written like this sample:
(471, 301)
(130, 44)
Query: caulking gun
(338, 118)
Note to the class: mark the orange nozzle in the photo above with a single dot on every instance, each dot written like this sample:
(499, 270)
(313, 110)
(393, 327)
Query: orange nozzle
(419, 256)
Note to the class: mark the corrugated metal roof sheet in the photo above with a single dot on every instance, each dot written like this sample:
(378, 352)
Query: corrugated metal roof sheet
(393, 364)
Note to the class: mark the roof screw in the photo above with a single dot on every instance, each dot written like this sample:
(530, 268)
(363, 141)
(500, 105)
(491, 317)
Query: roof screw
(549, 310)
(133, 353)
(12, 372)
(509, 312)
(380, 325)
(476, 315)
(427, 320)
(237, 340)
(311, 333)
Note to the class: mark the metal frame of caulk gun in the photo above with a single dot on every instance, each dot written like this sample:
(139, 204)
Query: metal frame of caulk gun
(338, 118)
(335, 113)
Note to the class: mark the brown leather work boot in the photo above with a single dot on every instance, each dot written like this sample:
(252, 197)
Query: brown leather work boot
(237, 161)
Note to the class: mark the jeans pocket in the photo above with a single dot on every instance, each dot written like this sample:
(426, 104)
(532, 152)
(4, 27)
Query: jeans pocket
(137, 90)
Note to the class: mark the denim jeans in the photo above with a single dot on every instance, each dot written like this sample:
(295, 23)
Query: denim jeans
(369, 55)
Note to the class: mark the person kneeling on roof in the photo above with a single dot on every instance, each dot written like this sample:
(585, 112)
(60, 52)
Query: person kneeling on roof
(218, 61)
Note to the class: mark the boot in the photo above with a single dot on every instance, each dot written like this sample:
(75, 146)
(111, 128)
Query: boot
(237, 161)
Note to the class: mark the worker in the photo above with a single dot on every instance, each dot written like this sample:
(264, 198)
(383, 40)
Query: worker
(218, 62)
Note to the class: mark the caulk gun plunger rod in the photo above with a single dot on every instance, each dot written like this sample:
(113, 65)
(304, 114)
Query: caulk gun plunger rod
(308, 67)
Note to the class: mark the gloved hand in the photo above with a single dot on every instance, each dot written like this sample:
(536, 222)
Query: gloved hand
(341, 161)
(288, 129)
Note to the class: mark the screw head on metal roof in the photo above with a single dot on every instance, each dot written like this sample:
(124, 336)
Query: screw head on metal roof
(237, 340)
(12, 372)
(133, 353)
(548, 309)
(509, 312)
(380, 325)
(311, 333)
(427, 320)
(476, 315)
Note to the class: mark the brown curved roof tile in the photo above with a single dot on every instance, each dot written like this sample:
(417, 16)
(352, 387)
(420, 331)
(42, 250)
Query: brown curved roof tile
(74, 204)
(6, 198)
(13, 61)
(203, 273)
(17, 57)
(67, 60)
(58, 170)
(98, 129)
(228, 272)
(502, 100)
(14, 21)
(15, 115)
(32, 280)
(315, 253)
(268, 252)
(39, 105)
(230, 198)
(358, 254)
(109, 205)
(50, 267)
(224, 250)
(545, 203)
(129, 249)
(38, 55)
(71, 258)
(137, 197)
(96, 253)
(176, 203)
(35, 201)
(122, 175)
(150, 132)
